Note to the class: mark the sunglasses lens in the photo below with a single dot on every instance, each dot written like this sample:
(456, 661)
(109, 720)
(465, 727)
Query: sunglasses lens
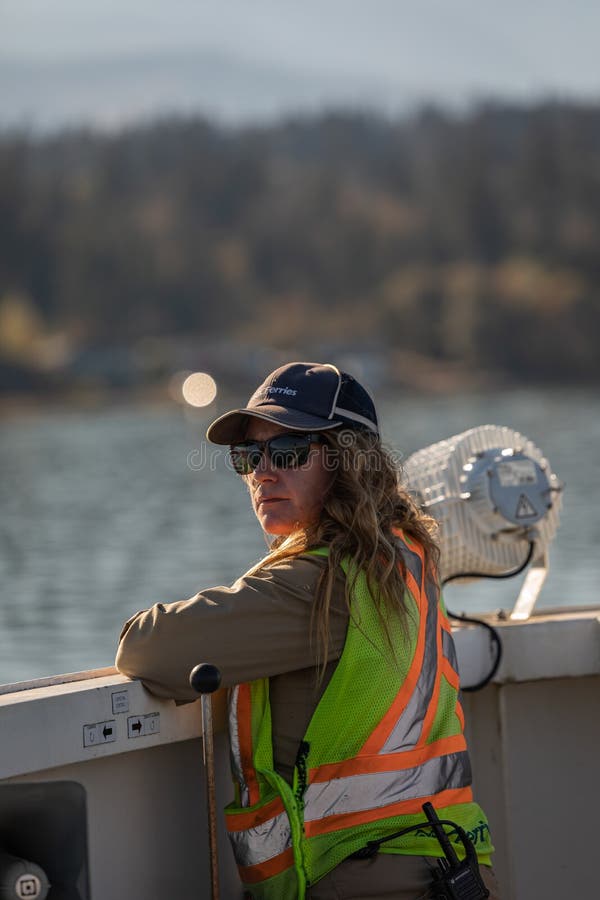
(287, 451)
(245, 458)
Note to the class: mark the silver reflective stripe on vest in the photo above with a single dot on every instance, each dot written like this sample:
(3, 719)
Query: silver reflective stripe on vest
(262, 842)
(449, 650)
(405, 733)
(234, 739)
(358, 793)
(413, 564)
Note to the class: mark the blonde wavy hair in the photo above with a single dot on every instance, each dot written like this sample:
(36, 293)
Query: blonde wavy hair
(366, 503)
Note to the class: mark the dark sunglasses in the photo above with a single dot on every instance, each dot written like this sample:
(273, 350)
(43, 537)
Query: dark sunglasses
(286, 451)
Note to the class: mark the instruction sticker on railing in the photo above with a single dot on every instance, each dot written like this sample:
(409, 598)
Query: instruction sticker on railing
(99, 733)
(120, 702)
(142, 726)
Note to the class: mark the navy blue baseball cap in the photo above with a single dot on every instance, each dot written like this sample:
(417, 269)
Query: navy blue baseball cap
(304, 397)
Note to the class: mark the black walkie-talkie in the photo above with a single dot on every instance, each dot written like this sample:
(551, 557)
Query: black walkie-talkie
(455, 879)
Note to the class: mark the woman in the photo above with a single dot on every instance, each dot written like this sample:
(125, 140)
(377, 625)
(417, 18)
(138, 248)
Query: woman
(344, 710)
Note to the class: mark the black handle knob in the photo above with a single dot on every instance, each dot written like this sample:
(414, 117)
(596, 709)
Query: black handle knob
(205, 678)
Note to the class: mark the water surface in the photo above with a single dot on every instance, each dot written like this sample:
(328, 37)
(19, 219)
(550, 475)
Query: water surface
(106, 512)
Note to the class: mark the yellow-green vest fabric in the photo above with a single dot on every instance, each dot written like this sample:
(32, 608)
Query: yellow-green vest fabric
(386, 736)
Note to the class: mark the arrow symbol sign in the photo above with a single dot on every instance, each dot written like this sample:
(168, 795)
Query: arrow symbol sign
(106, 731)
(137, 726)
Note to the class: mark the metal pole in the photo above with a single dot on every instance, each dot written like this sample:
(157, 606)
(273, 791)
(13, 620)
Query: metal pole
(205, 679)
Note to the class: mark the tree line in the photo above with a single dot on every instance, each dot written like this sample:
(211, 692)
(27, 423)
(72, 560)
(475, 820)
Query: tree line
(470, 239)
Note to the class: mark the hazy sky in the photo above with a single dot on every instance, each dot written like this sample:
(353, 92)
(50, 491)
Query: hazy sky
(295, 53)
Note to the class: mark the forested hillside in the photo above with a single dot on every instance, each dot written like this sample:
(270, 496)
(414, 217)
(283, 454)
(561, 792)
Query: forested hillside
(471, 240)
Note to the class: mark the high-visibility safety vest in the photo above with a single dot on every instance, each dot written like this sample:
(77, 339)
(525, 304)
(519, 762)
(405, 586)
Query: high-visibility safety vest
(386, 736)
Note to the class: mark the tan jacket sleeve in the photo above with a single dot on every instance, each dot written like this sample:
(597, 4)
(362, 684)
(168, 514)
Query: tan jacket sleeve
(258, 627)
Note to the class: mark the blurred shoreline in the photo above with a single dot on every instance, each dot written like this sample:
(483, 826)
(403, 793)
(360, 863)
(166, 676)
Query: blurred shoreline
(20, 405)
(430, 379)
(432, 254)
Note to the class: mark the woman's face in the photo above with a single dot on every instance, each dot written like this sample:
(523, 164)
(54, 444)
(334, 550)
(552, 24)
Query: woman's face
(286, 499)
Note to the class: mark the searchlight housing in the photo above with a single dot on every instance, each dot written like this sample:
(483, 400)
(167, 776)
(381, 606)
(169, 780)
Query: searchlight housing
(497, 503)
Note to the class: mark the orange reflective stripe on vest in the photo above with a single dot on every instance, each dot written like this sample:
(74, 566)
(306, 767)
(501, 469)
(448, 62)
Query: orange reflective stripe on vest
(402, 726)
(263, 840)
(240, 736)
(403, 808)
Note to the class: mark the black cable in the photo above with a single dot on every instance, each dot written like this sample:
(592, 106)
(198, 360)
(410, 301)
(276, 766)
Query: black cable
(498, 643)
(456, 879)
(490, 575)
(493, 631)
(372, 847)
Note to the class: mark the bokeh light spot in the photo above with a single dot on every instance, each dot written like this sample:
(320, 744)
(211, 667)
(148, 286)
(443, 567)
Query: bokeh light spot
(199, 389)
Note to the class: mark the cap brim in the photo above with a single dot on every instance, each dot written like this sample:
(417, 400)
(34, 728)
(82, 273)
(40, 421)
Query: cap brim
(231, 427)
